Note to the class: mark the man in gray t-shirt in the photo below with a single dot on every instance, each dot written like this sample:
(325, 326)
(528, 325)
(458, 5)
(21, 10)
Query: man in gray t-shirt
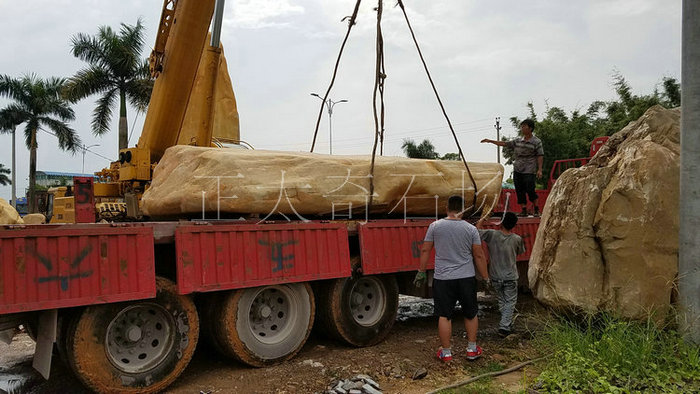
(528, 156)
(457, 249)
(504, 247)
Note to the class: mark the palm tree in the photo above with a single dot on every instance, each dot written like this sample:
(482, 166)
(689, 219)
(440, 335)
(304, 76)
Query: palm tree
(9, 121)
(426, 150)
(4, 180)
(115, 71)
(38, 104)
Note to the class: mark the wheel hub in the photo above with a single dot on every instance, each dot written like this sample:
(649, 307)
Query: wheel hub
(133, 333)
(367, 301)
(357, 298)
(270, 315)
(264, 312)
(139, 337)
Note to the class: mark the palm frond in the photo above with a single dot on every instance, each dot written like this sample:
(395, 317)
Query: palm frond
(59, 107)
(68, 139)
(11, 116)
(87, 82)
(4, 172)
(102, 114)
(14, 89)
(132, 39)
(138, 91)
(31, 126)
(88, 49)
(143, 71)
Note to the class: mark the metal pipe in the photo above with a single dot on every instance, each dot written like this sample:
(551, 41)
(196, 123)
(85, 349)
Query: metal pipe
(689, 236)
(216, 24)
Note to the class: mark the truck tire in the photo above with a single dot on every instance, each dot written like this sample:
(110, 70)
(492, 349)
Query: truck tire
(265, 325)
(134, 347)
(359, 311)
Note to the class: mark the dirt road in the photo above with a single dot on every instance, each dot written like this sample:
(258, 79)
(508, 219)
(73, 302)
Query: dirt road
(410, 347)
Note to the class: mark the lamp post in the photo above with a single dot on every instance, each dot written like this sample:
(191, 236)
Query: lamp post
(85, 148)
(330, 104)
(14, 178)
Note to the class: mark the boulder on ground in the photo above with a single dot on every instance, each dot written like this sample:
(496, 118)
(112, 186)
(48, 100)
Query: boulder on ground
(8, 214)
(189, 180)
(608, 239)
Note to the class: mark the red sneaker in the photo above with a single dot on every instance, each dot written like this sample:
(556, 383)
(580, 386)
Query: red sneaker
(444, 354)
(474, 355)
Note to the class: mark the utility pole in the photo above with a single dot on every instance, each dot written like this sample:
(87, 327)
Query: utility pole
(498, 138)
(14, 169)
(689, 236)
(330, 104)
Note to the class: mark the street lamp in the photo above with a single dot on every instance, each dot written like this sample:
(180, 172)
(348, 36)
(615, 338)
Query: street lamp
(85, 148)
(330, 104)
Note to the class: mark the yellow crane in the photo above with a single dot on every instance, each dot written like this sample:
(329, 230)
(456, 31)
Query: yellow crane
(192, 103)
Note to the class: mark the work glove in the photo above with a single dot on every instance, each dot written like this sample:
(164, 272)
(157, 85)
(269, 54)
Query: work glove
(420, 279)
(488, 285)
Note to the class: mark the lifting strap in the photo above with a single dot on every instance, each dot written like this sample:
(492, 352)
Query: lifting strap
(380, 76)
(430, 78)
(351, 23)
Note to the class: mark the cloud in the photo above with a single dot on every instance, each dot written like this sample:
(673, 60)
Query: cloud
(623, 8)
(259, 14)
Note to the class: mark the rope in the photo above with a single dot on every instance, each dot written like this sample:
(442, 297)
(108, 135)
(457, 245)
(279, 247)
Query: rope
(505, 208)
(442, 107)
(378, 87)
(351, 23)
(475, 378)
(133, 125)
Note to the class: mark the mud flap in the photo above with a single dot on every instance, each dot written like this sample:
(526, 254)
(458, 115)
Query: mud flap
(46, 336)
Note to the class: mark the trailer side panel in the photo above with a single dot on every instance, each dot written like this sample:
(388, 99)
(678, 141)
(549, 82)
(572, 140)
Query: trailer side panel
(392, 246)
(47, 268)
(219, 257)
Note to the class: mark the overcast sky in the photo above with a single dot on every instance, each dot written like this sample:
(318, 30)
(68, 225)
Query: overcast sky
(487, 58)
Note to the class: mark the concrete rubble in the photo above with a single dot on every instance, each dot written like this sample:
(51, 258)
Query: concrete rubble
(360, 384)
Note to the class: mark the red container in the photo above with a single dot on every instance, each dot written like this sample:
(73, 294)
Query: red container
(392, 246)
(218, 257)
(52, 267)
(84, 199)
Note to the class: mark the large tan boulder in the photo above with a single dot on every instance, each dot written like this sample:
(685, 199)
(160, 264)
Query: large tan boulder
(608, 239)
(34, 218)
(8, 214)
(305, 184)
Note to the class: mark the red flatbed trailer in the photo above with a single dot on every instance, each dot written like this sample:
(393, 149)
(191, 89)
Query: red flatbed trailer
(63, 276)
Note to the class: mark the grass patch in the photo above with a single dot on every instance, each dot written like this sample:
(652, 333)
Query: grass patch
(604, 354)
(481, 386)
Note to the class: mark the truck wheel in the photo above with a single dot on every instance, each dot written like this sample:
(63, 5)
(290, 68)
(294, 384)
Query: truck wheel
(135, 347)
(359, 311)
(265, 325)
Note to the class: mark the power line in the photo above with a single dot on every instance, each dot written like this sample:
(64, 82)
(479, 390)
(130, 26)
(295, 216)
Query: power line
(87, 150)
(407, 134)
(403, 133)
